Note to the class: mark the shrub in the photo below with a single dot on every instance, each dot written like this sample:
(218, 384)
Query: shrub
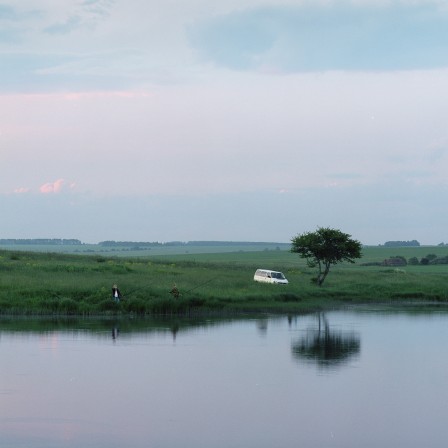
(137, 306)
(51, 304)
(68, 306)
(440, 260)
(398, 260)
(287, 297)
(195, 302)
(107, 305)
(161, 306)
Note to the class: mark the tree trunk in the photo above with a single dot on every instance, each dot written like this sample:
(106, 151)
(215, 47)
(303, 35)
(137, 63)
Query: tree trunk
(322, 275)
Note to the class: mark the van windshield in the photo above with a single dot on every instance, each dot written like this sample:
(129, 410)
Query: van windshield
(278, 275)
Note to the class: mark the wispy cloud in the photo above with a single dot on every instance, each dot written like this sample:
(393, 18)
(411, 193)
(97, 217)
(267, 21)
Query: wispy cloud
(333, 36)
(98, 8)
(55, 47)
(69, 47)
(70, 24)
(83, 14)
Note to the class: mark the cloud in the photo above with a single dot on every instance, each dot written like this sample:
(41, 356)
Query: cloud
(85, 45)
(55, 187)
(56, 48)
(334, 36)
(21, 190)
(52, 187)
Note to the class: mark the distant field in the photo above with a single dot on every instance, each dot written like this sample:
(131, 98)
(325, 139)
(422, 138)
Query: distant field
(270, 258)
(255, 253)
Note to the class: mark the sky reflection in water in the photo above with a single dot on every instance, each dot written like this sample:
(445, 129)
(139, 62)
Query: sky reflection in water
(343, 379)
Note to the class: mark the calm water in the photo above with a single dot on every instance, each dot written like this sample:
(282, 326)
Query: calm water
(357, 378)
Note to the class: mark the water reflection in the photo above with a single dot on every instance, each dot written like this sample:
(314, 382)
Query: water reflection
(228, 382)
(121, 327)
(327, 348)
(115, 333)
(262, 326)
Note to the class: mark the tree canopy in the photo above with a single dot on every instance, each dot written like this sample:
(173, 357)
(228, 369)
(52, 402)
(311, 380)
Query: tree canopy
(326, 247)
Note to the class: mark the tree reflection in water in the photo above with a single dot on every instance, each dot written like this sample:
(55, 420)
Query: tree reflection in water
(328, 348)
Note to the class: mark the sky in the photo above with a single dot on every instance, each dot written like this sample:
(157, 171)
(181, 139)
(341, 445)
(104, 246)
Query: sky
(248, 120)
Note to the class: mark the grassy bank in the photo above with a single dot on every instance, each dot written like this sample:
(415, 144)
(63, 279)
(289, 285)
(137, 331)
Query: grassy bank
(50, 283)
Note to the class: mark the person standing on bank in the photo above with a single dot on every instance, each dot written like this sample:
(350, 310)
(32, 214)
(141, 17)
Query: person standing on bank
(116, 294)
(175, 292)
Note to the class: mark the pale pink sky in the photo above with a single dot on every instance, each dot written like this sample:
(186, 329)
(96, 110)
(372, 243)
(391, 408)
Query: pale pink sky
(151, 109)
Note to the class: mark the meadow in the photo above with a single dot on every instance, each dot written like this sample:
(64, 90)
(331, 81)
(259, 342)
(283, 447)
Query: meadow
(50, 283)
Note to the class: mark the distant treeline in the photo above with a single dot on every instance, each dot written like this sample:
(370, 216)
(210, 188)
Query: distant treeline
(413, 243)
(399, 260)
(40, 241)
(178, 243)
(130, 244)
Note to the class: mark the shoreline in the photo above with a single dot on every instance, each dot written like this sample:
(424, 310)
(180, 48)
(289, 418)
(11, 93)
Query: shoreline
(265, 309)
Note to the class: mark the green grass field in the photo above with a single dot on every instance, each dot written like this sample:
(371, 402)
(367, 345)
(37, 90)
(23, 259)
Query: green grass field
(49, 283)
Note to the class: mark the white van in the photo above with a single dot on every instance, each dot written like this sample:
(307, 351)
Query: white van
(267, 276)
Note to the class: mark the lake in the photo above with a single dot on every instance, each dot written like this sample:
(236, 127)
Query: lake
(364, 377)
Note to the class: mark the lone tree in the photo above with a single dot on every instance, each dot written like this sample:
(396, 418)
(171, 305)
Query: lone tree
(325, 247)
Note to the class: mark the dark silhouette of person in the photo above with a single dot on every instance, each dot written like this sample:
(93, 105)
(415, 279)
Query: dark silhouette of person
(116, 294)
